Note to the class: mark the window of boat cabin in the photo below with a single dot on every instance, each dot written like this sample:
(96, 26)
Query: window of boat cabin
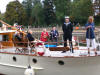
(4, 38)
(0, 24)
(1, 39)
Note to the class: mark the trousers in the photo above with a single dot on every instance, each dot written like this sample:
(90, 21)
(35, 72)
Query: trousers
(91, 41)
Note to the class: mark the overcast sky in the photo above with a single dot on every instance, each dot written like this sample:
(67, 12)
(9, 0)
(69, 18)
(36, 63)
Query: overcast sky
(3, 4)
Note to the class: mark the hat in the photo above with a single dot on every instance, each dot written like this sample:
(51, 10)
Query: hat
(66, 17)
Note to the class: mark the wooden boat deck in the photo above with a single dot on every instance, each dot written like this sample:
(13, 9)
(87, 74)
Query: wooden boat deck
(82, 51)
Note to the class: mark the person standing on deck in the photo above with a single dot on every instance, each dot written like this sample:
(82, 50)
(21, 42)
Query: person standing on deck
(67, 28)
(90, 35)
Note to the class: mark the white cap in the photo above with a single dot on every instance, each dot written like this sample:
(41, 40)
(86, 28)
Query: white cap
(66, 17)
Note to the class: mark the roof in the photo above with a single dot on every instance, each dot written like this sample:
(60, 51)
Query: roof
(8, 31)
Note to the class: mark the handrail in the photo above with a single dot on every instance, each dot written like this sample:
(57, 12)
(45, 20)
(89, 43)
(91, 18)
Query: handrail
(41, 42)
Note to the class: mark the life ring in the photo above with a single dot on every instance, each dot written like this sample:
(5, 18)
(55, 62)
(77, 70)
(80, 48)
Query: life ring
(39, 44)
(40, 49)
(41, 53)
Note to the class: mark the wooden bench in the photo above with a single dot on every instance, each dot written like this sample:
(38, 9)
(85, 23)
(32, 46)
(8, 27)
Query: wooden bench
(59, 48)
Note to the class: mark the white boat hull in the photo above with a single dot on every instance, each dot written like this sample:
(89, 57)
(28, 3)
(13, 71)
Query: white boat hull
(49, 65)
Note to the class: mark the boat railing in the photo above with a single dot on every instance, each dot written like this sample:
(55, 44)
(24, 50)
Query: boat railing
(24, 45)
(38, 45)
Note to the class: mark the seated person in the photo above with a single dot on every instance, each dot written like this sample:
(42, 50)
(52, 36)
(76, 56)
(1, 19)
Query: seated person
(44, 36)
(31, 39)
(29, 36)
(54, 35)
(18, 36)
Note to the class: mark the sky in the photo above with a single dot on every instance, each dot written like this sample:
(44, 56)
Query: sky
(3, 4)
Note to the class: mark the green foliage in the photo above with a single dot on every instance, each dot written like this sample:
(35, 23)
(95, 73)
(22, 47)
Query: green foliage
(15, 13)
(34, 12)
(28, 5)
(63, 8)
(97, 20)
(81, 10)
(37, 15)
(49, 13)
(1, 16)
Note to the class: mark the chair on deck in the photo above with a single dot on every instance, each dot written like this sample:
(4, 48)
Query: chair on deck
(20, 44)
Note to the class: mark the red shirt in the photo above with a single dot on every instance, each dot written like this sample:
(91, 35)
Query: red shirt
(44, 36)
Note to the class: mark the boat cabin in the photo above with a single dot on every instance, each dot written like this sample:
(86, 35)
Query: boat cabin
(6, 38)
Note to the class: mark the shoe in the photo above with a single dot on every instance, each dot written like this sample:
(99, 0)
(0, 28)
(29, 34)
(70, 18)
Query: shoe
(63, 52)
(72, 50)
(88, 52)
(95, 53)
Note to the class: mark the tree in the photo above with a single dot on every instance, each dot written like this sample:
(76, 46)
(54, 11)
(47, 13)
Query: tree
(34, 10)
(28, 5)
(62, 9)
(1, 16)
(37, 14)
(15, 13)
(81, 10)
(49, 13)
(97, 19)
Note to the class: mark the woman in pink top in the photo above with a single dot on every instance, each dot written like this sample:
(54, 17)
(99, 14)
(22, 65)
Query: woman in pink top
(44, 35)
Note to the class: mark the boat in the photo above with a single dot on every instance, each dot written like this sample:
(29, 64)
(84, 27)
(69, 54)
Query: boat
(14, 61)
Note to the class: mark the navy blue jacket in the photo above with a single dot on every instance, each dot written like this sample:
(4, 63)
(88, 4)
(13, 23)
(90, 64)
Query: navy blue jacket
(67, 29)
(30, 37)
(90, 31)
(54, 34)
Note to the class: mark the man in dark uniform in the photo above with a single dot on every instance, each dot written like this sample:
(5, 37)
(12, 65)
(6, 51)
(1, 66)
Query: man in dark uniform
(67, 28)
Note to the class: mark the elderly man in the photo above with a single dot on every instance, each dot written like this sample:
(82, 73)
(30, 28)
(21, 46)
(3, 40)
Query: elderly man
(54, 35)
(29, 36)
(67, 28)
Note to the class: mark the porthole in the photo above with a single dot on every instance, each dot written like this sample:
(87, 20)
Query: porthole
(34, 60)
(2, 74)
(14, 58)
(60, 62)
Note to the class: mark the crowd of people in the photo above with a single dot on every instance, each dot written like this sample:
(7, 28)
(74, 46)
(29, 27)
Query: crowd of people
(67, 28)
